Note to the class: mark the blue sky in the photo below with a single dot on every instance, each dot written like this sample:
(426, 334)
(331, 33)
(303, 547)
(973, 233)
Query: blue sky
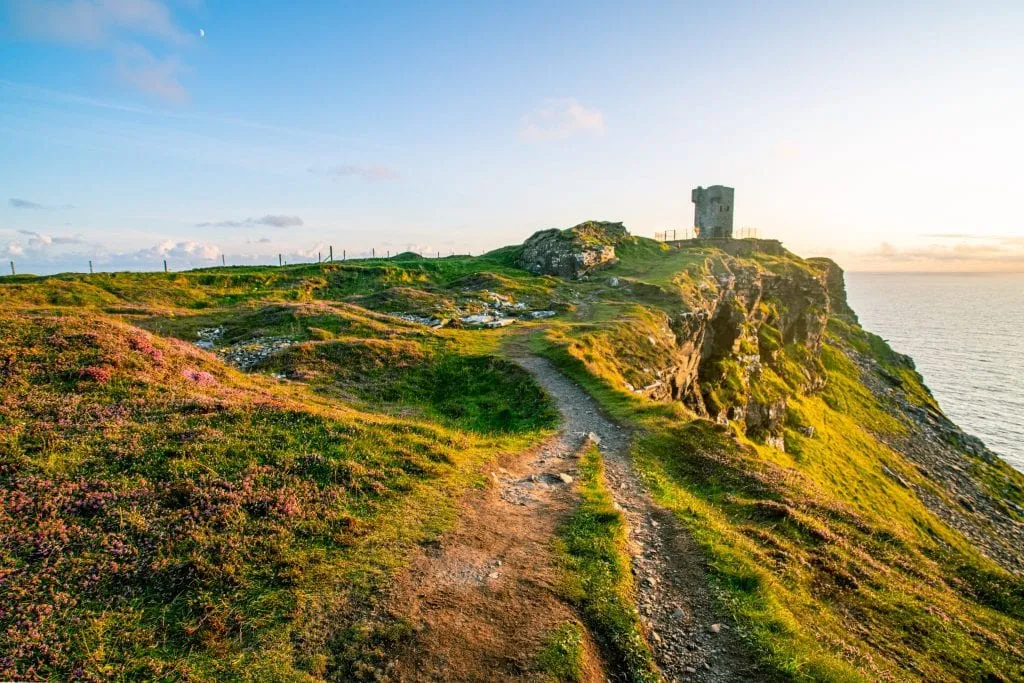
(887, 135)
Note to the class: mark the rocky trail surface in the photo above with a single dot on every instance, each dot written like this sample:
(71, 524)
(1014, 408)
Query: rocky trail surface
(481, 600)
(692, 640)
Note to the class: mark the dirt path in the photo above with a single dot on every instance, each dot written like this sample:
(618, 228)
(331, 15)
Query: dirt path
(692, 641)
(483, 598)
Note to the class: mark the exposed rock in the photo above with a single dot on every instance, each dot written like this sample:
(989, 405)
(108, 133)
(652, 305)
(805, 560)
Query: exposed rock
(712, 356)
(429, 321)
(248, 354)
(836, 285)
(574, 252)
(208, 337)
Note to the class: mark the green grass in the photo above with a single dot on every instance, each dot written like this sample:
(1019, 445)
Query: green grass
(597, 574)
(165, 516)
(832, 570)
(561, 657)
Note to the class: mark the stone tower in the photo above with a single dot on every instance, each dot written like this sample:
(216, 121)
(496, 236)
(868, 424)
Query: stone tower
(713, 212)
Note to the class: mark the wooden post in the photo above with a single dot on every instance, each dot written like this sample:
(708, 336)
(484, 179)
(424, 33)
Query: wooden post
(90, 267)
(330, 254)
(279, 261)
(342, 254)
(389, 253)
(223, 260)
(12, 268)
(373, 252)
(165, 265)
(318, 259)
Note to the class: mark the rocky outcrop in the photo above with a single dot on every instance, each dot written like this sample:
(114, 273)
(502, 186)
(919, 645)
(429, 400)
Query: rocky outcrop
(726, 355)
(835, 283)
(574, 252)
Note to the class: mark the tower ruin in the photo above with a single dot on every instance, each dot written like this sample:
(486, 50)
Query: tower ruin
(713, 211)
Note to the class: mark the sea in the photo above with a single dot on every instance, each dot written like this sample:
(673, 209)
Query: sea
(965, 333)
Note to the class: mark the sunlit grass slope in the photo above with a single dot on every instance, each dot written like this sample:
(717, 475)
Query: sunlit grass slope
(833, 567)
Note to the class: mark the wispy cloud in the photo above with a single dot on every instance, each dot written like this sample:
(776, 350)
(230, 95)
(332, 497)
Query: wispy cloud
(17, 203)
(373, 172)
(38, 240)
(558, 119)
(972, 253)
(115, 26)
(38, 94)
(270, 220)
(95, 22)
(158, 77)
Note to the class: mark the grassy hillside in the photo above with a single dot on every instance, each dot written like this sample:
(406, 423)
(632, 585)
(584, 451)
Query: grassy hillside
(825, 552)
(165, 515)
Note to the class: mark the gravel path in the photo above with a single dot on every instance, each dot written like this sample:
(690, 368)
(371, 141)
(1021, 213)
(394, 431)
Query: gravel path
(691, 639)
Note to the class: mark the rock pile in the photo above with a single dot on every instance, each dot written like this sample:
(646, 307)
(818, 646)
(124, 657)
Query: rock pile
(248, 354)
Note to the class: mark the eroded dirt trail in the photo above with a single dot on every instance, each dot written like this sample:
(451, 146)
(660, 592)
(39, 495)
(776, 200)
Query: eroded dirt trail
(692, 641)
(483, 598)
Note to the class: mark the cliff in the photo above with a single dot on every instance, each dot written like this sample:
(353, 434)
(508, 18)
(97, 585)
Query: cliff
(239, 523)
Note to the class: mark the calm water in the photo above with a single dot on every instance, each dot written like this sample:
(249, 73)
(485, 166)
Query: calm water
(966, 335)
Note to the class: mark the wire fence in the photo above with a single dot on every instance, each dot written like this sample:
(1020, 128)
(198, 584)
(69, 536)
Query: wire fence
(167, 265)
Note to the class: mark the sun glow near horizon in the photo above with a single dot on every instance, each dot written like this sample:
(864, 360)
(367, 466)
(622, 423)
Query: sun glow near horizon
(885, 137)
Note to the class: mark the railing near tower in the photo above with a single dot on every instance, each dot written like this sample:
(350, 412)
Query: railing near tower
(676, 235)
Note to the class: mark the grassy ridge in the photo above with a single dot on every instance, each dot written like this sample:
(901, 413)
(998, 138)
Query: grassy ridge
(598, 578)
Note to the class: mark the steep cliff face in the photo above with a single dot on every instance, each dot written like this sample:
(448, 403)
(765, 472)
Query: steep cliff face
(748, 339)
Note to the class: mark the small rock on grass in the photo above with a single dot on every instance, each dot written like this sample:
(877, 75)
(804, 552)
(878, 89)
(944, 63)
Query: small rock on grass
(715, 628)
(566, 479)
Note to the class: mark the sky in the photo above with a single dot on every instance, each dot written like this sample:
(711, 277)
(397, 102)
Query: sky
(889, 136)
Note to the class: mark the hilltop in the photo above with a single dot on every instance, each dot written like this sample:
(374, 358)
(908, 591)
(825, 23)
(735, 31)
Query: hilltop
(240, 472)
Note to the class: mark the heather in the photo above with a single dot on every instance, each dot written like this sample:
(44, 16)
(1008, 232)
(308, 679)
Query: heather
(163, 515)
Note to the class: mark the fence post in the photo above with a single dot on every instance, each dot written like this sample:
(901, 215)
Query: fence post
(223, 260)
(330, 254)
(318, 259)
(342, 254)
(165, 265)
(12, 268)
(90, 267)
(373, 252)
(279, 261)
(389, 253)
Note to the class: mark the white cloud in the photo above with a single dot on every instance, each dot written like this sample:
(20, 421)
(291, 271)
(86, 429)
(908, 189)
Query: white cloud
(557, 119)
(189, 252)
(372, 172)
(95, 22)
